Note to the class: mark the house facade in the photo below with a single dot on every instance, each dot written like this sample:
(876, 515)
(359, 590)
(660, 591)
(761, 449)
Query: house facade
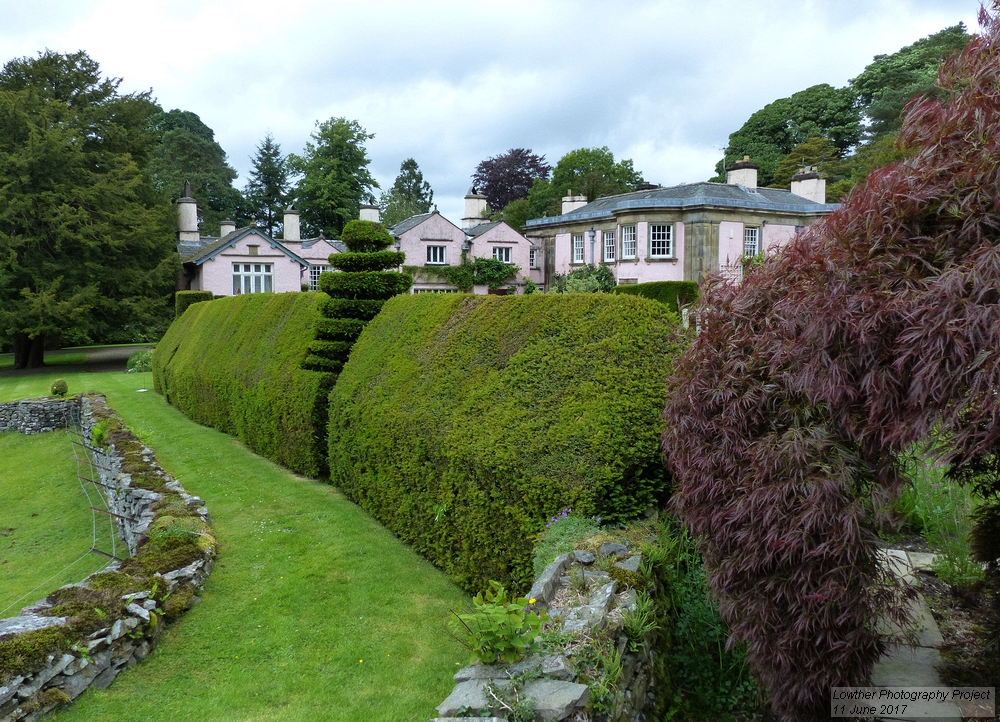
(248, 260)
(680, 233)
(431, 242)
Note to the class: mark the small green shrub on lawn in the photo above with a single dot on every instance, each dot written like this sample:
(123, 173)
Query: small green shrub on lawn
(464, 423)
(59, 388)
(235, 364)
(672, 294)
(141, 361)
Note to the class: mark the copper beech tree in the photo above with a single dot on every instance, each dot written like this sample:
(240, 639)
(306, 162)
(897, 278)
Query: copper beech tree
(787, 419)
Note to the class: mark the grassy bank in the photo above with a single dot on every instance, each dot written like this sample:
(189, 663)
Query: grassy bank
(314, 611)
(47, 526)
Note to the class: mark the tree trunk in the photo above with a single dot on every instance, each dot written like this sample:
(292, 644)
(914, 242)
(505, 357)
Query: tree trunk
(22, 345)
(36, 357)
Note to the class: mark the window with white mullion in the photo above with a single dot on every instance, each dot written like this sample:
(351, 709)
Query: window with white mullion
(314, 272)
(577, 248)
(751, 241)
(610, 248)
(252, 278)
(628, 242)
(661, 241)
(436, 255)
(502, 253)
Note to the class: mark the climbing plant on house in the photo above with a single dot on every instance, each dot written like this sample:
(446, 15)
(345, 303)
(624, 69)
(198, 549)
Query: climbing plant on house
(356, 293)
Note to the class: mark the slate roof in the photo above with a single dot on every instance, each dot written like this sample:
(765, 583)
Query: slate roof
(692, 195)
(209, 247)
(479, 230)
(339, 245)
(411, 222)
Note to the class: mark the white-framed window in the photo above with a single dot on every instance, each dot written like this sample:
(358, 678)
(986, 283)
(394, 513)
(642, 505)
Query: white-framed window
(252, 278)
(532, 258)
(502, 253)
(434, 290)
(577, 248)
(610, 247)
(628, 241)
(436, 255)
(751, 241)
(661, 241)
(314, 272)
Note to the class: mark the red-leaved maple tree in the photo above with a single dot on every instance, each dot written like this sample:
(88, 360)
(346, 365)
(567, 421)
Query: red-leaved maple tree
(788, 416)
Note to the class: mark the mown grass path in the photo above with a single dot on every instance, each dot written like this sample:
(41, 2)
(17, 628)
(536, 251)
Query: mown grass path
(313, 612)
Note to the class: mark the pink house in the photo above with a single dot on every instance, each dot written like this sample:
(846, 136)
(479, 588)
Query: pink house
(680, 233)
(247, 260)
(431, 241)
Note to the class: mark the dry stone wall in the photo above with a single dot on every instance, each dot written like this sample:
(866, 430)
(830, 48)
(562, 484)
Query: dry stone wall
(551, 680)
(96, 658)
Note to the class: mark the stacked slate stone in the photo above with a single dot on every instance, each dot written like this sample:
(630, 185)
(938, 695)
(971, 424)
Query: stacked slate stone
(357, 292)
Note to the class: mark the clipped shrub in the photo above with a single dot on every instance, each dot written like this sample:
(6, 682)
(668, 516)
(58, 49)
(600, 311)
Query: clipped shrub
(672, 294)
(59, 388)
(183, 299)
(356, 293)
(464, 423)
(235, 365)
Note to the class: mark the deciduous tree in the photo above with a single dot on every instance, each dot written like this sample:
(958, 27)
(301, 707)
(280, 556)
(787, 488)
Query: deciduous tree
(592, 172)
(335, 180)
(509, 176)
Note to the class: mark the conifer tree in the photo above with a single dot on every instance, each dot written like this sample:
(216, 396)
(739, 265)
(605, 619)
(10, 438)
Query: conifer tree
(267, 187)
(357, 292)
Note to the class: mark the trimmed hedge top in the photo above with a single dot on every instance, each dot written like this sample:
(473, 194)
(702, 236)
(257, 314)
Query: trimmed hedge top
(365, 237)
(463, 423)
(672, 294)
(234, 364)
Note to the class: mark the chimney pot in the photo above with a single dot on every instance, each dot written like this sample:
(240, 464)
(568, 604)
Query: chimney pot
(290, 224)
(369, 213)
(226, 227)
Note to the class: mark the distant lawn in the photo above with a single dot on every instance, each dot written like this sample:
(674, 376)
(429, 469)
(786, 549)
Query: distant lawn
(314, 611)
(52, 358)
(46, 523)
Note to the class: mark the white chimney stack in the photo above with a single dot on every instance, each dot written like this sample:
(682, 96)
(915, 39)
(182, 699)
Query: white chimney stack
(226, 227)
(475, 210)
(571, 202)
(187, 216)
(742, 173)
(809, 184)
(369, 213)
(290, 224)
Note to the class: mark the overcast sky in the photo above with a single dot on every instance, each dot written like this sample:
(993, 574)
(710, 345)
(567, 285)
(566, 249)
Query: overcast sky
(663, 82)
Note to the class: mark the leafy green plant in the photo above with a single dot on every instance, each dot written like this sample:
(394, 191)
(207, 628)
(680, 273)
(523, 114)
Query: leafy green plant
(140, 362)
(59, 388)
(640, 621)
(482, 271)
(99, 435)
(943, 510)
(498, 629)
(589, 279)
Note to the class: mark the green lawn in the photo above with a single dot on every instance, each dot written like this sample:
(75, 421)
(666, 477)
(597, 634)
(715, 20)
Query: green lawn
(314, 611)
(52, 358)
(47, 524)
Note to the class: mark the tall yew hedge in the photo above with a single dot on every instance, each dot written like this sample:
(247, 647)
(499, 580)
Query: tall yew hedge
(234, 364)
(872, 330)
(463, 423)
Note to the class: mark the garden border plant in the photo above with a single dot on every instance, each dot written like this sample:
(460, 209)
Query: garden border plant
(85, 633)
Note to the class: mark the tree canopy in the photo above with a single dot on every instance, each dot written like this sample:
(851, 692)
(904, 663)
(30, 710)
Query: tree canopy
(509, 176)
(335, 180)
(267, 188)
(186, 150)
(770, 133)
(410, 195)
(86, 242)
(592, 172)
